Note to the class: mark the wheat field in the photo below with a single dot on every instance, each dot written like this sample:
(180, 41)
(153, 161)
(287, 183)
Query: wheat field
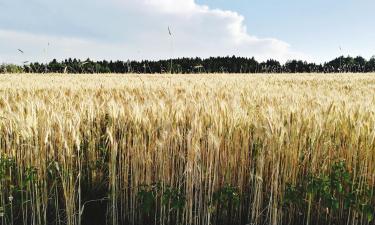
(187, 149)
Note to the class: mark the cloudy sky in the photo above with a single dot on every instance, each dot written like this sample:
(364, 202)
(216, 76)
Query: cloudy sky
(138, 29)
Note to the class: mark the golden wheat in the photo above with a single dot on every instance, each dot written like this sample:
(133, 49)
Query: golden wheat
(159, 150)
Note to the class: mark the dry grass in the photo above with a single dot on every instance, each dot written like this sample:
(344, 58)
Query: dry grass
(125, 140)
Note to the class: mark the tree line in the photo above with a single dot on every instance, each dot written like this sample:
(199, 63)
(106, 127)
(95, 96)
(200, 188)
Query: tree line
(196, 65)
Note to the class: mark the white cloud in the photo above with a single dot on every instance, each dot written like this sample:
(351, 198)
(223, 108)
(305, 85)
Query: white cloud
(172, 6)
(43, 48)
(129, 29)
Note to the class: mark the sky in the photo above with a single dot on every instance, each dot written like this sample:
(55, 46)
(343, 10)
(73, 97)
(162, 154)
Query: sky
(313, 30)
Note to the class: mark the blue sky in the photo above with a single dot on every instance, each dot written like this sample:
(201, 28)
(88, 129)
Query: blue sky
(138, 29)
(315, 27)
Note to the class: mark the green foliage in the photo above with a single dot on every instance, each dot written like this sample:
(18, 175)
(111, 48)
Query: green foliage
(228, 64)
(330, 191)
(6, 163)
(11, 68)
(147, 197)
(224, 205)
(294, 195)
(174, 198)
(7, 166)
(30, 175)
(150, 195)
(226, 197)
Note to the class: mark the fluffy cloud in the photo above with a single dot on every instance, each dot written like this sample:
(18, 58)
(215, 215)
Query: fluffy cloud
(127, 29)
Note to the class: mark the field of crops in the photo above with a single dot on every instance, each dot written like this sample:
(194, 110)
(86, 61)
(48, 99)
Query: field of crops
(187, 149)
